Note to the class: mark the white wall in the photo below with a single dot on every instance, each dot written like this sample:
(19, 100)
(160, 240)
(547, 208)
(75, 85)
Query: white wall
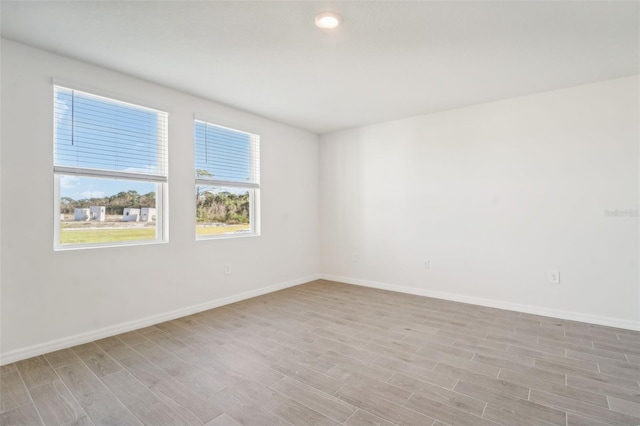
(51, 299)
(495, 196)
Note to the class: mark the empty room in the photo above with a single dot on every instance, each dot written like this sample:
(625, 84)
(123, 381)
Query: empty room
(320, 213)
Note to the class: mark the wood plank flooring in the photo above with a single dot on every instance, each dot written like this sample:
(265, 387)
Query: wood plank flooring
(326, 353)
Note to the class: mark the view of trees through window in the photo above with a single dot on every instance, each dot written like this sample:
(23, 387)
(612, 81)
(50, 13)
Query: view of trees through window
(222, 210)
(114, 204)
(227, 178)
(94, 210)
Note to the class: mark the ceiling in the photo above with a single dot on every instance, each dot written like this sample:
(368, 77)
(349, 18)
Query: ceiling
(388, 60)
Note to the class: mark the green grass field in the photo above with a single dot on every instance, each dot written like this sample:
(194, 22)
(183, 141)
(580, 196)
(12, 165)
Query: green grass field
(76, 235)
(205, 231)
(88, 236)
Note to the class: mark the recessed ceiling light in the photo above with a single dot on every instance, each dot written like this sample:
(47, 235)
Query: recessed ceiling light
(327, 20)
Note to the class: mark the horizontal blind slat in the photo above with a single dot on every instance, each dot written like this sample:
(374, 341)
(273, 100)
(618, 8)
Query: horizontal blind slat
(62, 170)
(225, 183)
(225, 156)
(108, 136)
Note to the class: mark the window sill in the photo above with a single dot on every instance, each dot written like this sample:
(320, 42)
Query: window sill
(71, 247)
(226, 236)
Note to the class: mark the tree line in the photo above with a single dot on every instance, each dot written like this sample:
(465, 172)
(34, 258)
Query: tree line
(221, 207)
(211, 207)
(114, 204)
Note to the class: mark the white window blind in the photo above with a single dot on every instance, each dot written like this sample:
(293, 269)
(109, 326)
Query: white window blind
(100, 137)
(226, 156)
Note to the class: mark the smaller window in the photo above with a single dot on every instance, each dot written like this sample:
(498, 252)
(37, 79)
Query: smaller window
(227, 174)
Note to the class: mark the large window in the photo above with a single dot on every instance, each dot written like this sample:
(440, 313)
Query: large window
(227, 181)
(110, 168)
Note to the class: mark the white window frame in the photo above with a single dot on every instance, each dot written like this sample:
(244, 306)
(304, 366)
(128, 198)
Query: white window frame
(161, 182)
(253, 189)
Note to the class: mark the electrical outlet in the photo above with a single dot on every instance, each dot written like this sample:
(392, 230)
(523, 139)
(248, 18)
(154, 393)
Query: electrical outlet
(354, 256)
(427, 264)
(554, 277)
(227, 269)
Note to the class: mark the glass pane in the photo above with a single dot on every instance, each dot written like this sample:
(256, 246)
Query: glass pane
(96, 210)
(222, 211)
(222, 154)
(99, 133)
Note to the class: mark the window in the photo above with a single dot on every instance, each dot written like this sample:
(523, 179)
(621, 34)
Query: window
(110, 169)
(227, 181)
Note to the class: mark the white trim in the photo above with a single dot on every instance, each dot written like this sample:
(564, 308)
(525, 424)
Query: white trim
(100, 92)
(224, 123)
(226, 236)
(89, 246)
(254, 206)
(226, 183)
(162, 212)
(56, 211)
(90, 336)
(211, 123)
(492, 303)
(108, 174)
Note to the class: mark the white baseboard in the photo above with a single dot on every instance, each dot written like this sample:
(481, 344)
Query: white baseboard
(78, 339)
(491, 303)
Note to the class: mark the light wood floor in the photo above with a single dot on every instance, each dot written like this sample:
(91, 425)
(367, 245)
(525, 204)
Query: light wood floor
(326, 353)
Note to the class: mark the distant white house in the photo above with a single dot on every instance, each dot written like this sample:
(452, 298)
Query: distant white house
(131, 214)
(97, 213)
(147, 214)
(80, 214)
